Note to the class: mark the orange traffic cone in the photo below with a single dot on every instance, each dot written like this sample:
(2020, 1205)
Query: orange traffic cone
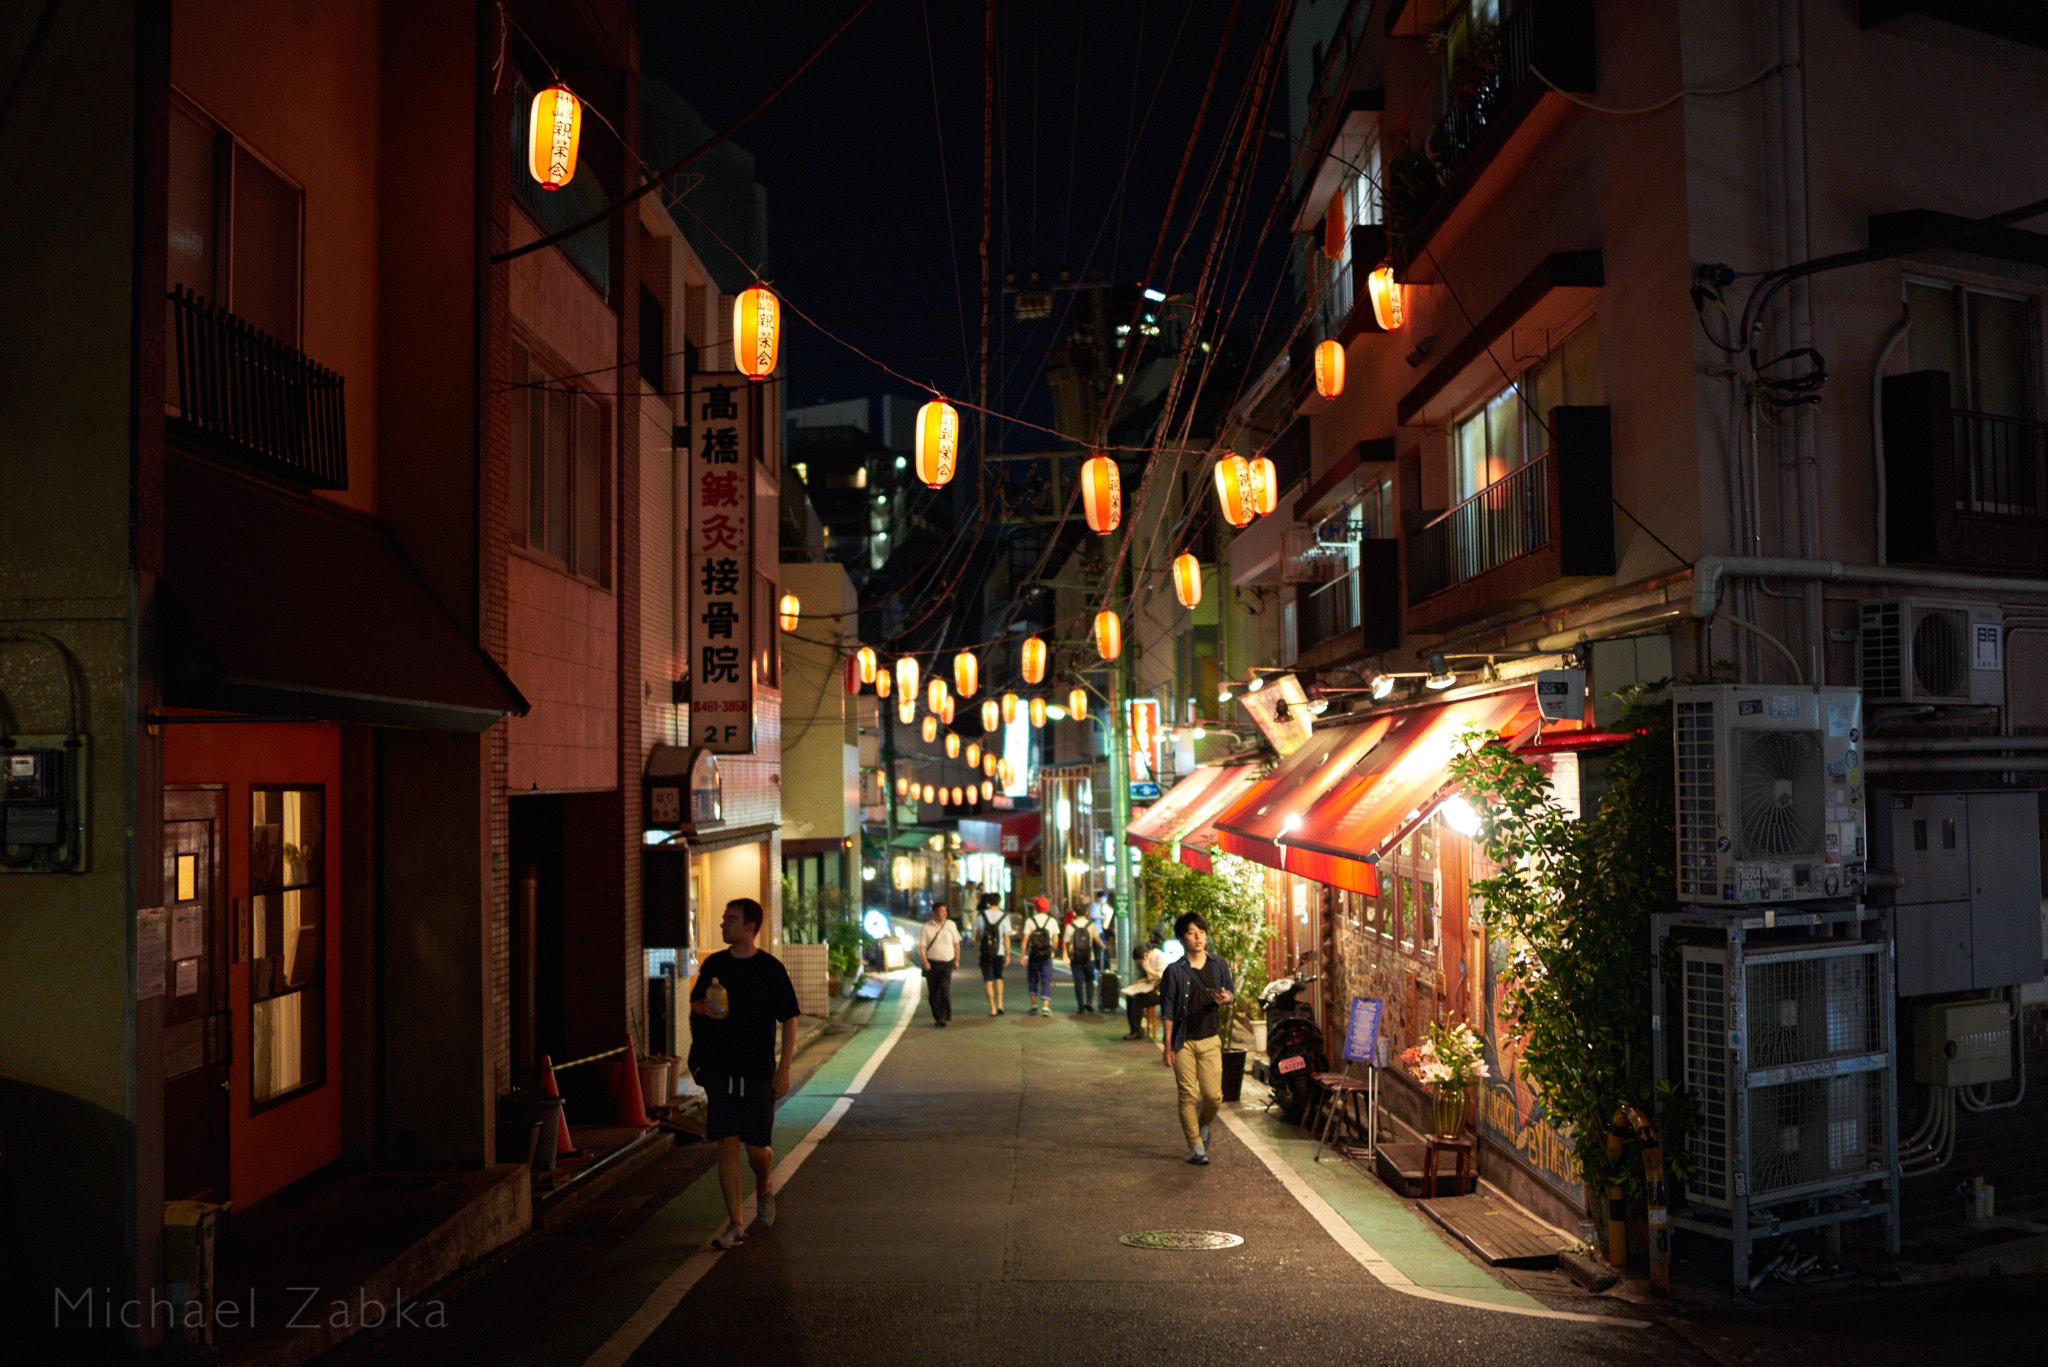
(632, 1110)
(565, 1147)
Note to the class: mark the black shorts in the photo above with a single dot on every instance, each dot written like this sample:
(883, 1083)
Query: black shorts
(992, 968)
(743, 1106)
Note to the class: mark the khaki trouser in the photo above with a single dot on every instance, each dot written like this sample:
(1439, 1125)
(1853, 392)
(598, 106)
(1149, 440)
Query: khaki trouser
(1198, 1068)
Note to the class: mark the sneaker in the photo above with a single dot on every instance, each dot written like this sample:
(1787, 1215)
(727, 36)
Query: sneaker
(1001, 1012)
(764, 1209)
(1205, 1136)
(730, 1235)
(1199, 1155)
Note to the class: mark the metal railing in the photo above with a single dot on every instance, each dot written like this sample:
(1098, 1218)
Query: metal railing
(2001, 465)
(1472, 109)
(1506, 520)
(247, 395)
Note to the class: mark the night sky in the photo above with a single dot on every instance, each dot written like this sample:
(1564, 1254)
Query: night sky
(851, 157)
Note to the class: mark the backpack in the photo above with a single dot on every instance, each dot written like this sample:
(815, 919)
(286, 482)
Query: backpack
(1037, 940)
(1081, 942)
(991, 937)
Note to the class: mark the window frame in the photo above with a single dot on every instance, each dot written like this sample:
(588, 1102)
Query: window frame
(1571, 332)
(227, 144)
(2037, 369)
(313, 990)
(545, 375)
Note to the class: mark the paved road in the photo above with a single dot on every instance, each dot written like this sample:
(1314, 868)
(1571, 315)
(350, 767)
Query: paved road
(965, 1207)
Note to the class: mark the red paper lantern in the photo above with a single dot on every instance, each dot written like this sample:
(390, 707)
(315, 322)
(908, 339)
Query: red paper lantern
(1101, 494)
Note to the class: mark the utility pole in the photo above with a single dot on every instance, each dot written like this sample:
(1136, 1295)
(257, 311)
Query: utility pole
(1120, 787)
(889, 795)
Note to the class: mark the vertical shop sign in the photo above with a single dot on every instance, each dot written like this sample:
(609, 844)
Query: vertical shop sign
(722, 576)
(1144, 741)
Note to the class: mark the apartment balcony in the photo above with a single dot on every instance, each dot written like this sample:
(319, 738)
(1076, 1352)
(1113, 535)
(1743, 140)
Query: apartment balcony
(1551, 519)
(243, 394)
(1353, 613)
(1496, 102)
(1962, 488)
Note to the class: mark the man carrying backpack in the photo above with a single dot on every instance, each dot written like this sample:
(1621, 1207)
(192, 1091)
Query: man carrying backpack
(1082, 943)
(1041, 943)
(991, 935)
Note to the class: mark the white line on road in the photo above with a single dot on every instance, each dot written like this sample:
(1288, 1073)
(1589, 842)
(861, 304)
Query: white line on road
(1368, 1257)
(666, 1297)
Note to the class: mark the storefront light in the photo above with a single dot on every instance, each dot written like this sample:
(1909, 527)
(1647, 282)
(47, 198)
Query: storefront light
(1459, 816)
(1382, 687)
(1258, 681)
(1440, 675)
(867, 875)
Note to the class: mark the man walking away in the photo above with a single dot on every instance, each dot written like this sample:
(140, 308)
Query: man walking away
(1041, 943)
(938, 945)
(1082, 942)
(1191, 997)
(1144, 992)
(740, 994)
(992, 945)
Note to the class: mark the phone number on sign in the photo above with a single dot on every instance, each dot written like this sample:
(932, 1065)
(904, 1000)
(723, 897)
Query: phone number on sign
(722, 705)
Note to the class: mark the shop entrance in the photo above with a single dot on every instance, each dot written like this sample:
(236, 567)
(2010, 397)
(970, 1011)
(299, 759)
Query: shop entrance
(196, 1034)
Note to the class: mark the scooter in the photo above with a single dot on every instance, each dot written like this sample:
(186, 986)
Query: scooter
(1294, 1046)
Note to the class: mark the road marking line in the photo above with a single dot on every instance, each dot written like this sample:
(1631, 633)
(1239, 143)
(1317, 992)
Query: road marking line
(1370, 1258)
(661, 1303)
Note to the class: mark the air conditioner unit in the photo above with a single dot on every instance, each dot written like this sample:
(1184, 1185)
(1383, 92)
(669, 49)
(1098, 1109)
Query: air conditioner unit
(1770, 793)
(1787, 1069)
(1916, 651)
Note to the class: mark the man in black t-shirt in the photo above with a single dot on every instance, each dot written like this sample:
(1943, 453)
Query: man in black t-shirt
(739, 996)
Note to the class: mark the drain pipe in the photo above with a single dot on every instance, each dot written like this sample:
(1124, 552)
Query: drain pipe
(1709, 570)
(1799, 330)
(1877, 470)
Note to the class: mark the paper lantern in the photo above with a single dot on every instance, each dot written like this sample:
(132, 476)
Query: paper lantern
(958, 797)
(790, 610)
(1389, 307)
(1009, 708)
(1329, 368)
(865, 659)
(931, 794)
(935, 693)
(903, 787)
(989, 765)
(1265, 486)
(991, 715)
(906, 677)
(906, 708)
(946, 710)
(1109, 635)
(966, 673)
(881, 683)
(952, 745)
(930, 729)
(945, 795)
(1077, 704)
(1038, 712)
(974, 754)
(937, 442)
(1233, 489)
(852, 675)
(756, 326)
(988, 790)
(1187, 579)
(1102, 498)
(553, 131)
(1032, 660)
(1006, 774)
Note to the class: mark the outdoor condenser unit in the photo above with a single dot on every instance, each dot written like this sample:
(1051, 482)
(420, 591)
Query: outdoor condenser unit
(1790, 1069)
(1770, 793)
(1914, 651)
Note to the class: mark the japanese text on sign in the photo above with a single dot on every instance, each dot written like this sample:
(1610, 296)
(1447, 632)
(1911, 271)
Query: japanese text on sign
(721, 564)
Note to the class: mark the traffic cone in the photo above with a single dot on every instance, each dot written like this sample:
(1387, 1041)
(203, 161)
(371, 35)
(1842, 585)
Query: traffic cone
(632, 1111)
(565, 1147)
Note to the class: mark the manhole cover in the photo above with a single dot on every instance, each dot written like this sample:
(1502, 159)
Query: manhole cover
(1182, 1240)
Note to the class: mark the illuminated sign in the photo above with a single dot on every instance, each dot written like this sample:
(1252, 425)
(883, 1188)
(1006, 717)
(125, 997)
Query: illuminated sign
(721, 473)
(1143, 717)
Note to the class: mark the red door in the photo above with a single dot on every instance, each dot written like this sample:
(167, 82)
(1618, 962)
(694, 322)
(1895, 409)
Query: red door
(196, 1036)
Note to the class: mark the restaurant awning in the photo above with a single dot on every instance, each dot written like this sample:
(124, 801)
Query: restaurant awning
(1190, 804)
(278, 605)
(1196, 845)
(1334, 806)
(1404, 778)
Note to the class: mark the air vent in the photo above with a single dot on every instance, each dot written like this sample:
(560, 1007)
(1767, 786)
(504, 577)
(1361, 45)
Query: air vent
(1917, 651)
(1782, 789)
(1698, 860)
(1941, 662)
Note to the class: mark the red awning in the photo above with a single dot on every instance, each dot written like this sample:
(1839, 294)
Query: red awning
(1189, 806)
(1263, 824)
(1020, 833)
(1401, 781)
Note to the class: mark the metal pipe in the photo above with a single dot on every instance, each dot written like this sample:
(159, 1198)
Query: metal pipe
(1956, 764)
(1607, 628)
(1884, 356)
(1951, 745)
(1709, 570)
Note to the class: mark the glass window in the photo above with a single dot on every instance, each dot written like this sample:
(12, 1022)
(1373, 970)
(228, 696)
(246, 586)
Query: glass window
(263, 248)
(1985, 342)
(288, 1003)
(559, 494)
(1511, 428)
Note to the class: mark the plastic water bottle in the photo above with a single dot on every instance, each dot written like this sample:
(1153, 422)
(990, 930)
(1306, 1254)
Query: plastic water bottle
(720, 1005)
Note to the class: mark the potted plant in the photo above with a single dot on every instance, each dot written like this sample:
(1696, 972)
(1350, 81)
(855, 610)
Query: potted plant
(1448, 1065)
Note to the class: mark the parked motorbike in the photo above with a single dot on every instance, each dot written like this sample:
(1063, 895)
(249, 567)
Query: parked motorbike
(1294, 1045)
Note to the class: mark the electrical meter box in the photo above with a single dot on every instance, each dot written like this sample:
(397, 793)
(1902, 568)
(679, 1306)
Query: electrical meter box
(43, 803)
(1962, 1044)
(1967, 911)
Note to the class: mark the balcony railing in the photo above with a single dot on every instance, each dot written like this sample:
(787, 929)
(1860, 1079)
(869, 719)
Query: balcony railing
(1506, 520)
(2002, 465)
(249, 396)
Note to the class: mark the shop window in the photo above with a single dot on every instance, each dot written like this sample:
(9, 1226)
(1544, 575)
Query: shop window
(559, 493)
(287, 924)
